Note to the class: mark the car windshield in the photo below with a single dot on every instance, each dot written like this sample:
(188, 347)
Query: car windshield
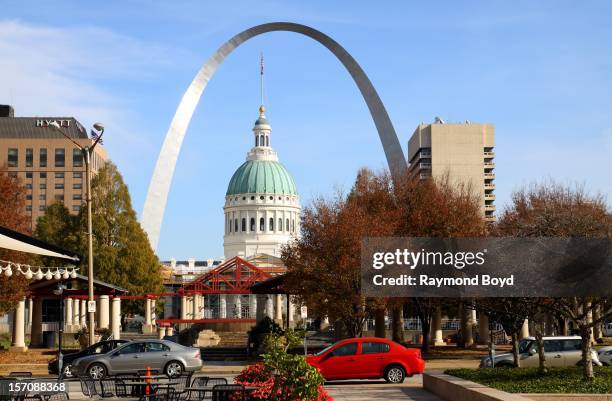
(324, 350)
(524, 346)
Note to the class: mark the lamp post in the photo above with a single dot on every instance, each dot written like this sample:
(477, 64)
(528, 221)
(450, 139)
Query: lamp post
(87, 154)
(60, 359)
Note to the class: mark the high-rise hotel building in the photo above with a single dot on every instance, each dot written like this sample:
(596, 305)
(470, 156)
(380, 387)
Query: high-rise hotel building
(51, 167)
(463, 151)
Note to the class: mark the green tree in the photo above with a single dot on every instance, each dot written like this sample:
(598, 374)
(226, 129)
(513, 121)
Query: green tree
(122, 253)
(12, 216)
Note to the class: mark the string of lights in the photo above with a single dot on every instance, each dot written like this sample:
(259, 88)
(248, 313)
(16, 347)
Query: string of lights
(37, 272)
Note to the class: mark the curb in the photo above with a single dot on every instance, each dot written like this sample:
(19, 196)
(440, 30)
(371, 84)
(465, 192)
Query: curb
(452, 388)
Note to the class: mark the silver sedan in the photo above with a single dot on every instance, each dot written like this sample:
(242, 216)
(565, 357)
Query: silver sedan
(159, 355)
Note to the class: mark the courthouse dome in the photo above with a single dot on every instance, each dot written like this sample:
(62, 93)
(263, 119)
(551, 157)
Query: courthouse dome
(261, 177)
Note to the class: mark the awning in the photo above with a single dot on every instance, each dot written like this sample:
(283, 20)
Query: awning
(16, 241)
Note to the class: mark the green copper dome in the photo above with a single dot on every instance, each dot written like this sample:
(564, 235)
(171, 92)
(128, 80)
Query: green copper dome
(261, 177)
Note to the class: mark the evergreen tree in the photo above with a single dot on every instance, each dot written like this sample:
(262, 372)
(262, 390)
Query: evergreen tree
(57, 226)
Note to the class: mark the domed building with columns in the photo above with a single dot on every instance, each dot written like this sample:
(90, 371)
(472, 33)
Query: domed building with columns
(262, 206)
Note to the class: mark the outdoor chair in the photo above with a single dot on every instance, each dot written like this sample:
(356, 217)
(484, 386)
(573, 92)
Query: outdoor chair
(228, 392)
(88, 387)
(200, 381)
(183, 381)
(61, 396)
(107, 387)
(20, 374)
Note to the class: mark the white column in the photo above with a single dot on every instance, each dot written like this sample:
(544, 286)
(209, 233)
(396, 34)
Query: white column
(116, 318)
(68, 319)
(161, 332)
(524, 330)
(253, 306)
(291, 312)
(269, 307)
(278, 312)
(104, 312)
(148, 312)
(83, 313)
(170, 331)
(18, 342)
(324, 323)
(237, 307)
(76, 314)
(183, 307)
(30, 307)
(195, 305)
(153, 312)
(437, 336)
(223, 306)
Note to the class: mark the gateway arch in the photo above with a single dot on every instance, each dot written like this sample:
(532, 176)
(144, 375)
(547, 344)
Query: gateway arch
(157, 196)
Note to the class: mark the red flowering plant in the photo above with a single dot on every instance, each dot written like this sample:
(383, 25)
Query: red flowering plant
(282, 376)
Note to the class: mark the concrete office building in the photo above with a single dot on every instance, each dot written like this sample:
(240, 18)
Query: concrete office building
(49, 165)
(463, 151)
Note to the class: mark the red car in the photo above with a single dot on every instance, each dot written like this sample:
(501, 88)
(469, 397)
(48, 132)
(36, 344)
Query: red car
(367, 358)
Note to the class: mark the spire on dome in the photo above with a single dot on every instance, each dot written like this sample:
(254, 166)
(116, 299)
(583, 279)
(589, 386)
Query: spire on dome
(261, 83)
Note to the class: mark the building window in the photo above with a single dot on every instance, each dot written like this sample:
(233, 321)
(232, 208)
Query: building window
(13, 157)
(77, 174)
(28, 174)
(256, 139)
(262, 224)
(12, 174)
(42, 157)
(76, 208)
(243, 225)
(29, 197)
(77, 185)
(42, 197)
(287, 225)
(43, 185)
(59, 198)
(60, 157)
(28, 208)
(43, 175)
(267, 141)
(59, 186)
(252, 225)
(28, 186)
(292, 226)
(41, 208)
(235, 225)
(77, 197)
(77, 158)
(271, 228)
(29, 157)
(280, 224)
(59, 175)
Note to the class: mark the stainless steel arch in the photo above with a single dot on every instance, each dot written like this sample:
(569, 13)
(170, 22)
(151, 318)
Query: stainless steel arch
(155, 203)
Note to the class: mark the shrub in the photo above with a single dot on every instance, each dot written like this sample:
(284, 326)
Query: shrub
(281, 376)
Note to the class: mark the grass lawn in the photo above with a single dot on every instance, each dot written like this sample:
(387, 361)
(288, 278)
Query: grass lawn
(528, 380)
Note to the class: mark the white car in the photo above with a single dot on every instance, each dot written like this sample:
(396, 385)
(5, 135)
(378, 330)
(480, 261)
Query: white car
(605, 355)
(559, 351)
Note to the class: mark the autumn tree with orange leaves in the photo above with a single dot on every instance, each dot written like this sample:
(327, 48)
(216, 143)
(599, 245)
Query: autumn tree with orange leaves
(12, 216)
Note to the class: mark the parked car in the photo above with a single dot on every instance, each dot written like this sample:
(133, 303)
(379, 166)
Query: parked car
(559, 351)
(367, 358)
(605, 356)
(101, 347)
(607, 329)
(163, 356)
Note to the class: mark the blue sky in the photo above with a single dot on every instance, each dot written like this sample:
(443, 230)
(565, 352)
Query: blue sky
(540, 71)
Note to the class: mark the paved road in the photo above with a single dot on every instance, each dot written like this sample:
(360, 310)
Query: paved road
(356, 390)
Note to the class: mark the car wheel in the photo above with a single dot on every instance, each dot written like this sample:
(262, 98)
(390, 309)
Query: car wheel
(395, 374)
(97, 371)
(67, 371)
(173, 369)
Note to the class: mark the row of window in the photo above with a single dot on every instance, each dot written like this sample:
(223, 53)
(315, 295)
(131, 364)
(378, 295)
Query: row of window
(57, 197)
(43, 174)
(59, 160)
(262, 140)
(42, 208)
(43, 185)
(289, 225)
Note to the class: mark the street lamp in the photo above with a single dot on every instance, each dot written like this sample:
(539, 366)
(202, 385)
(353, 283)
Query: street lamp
(60, 359)
(87, 154)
